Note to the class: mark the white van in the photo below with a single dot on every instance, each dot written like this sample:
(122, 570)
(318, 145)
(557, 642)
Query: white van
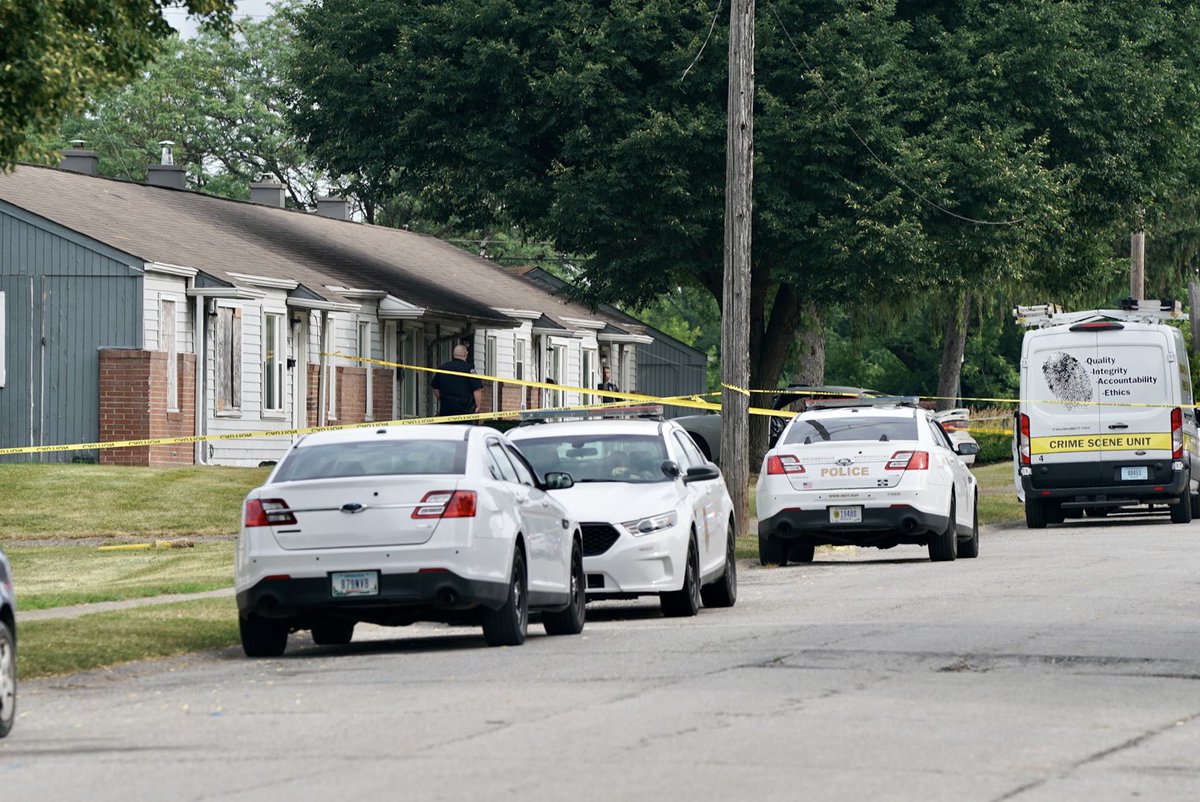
(1106, 418)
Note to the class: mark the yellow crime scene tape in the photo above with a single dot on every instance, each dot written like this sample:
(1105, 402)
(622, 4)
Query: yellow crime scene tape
(694, 401)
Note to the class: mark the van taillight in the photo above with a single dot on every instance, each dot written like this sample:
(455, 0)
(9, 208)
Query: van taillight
(1177, 433)
(268, 512)
(1023, 441)
(784, 464)
(447, 504)
(908, 461)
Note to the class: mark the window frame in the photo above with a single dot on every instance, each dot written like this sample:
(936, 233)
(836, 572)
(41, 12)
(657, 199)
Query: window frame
(168, 323)
(274, 364)
(227, 362)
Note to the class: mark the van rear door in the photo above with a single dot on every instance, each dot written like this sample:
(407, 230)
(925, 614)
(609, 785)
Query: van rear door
(1133, 367)
(1059, 395)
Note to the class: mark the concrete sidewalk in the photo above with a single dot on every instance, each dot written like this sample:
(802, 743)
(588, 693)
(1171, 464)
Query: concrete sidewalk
(78, 610)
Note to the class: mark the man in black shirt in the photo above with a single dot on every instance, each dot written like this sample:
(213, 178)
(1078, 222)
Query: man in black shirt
(607, 383)
(457, 395)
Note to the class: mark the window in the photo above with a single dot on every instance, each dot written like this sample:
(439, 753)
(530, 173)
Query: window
(519, 371)
(501, 462)
(599, 457)
(3, 347)
(364, 351)
(410, 351)
(166, 342)
(524, 471)
(850, 429)
(589, 372)
(227, 361)
(692, 458)
(374, 458)
(273, 362)
(330, 371)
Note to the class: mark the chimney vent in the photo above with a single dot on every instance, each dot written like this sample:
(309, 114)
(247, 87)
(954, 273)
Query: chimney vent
(333, 206)
(166, 173)
(267, 192)
(79, 160)
(168, 157)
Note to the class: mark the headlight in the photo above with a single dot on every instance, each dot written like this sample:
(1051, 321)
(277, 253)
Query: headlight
(653, 523)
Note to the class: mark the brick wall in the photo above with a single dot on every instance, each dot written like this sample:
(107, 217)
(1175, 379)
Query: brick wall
(384, 383)
(510, 397)
(133, 406)
(352, 394)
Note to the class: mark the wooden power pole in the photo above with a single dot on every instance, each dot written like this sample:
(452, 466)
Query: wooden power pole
(1137, 267)
(735, 305)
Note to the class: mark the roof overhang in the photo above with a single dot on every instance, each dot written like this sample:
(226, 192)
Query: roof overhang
(639, 339)
(317, 305)
(520, 314)
(359, 294)
(392, 308)
(170, 270)
(227, 293)
(267, 282)
(585, 323)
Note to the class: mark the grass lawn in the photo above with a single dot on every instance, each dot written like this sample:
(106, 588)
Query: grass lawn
(70, 501)
(106, 639)
(57, 576)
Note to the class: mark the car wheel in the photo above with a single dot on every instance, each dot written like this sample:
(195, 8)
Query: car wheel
(337, 632)
(509, 625)
(969, 548)
(8, 679)
(685, 602)
(1055, 514)
(723, 592)
(943, 547)
(1181, 511)
(772, 550)
(262, 637)
(801, 552)
(1035, 513)
(570, 620)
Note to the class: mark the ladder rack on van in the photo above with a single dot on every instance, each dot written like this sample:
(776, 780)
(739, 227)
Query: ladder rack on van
(1042, 316)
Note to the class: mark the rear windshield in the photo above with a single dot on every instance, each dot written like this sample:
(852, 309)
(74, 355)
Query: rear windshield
(840, 430)
(599, 458)
(373, 458)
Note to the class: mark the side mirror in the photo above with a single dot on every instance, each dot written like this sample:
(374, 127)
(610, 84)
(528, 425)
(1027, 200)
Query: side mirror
(702, 473)
(670, 469)
(558, 480)
(966, 449)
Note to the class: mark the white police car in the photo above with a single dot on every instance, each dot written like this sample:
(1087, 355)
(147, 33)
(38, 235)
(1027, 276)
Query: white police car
(398, 524)
(655, 514)
(876, 472)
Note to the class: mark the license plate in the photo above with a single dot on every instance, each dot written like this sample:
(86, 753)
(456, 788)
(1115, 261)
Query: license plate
(355, 583)
(845, 515)
(1138, 474)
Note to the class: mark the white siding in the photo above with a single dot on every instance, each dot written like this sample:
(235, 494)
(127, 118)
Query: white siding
(159, 287)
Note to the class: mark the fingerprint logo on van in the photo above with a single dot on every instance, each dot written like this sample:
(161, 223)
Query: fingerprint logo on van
(1067, 379)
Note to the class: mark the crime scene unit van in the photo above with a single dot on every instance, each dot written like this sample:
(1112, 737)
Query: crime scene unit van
(1106, 418)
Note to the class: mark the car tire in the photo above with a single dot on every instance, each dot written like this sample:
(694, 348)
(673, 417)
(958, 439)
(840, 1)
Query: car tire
(1196, 505)
(969, 548)
(685, 602)
(943, 547)
(772, 550)
(1055, 514)
(337, 632)
(1035, 513)
(570, 621)
(723, 592)
(262, 637)
(509, 625)
(8, 679)
(1181, 511)
(801, 552)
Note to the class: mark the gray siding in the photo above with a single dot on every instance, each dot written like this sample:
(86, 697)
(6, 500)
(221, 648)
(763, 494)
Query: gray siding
(667, 367)
(66, 298)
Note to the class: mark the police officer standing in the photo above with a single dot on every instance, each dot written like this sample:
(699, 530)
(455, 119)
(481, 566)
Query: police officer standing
(457, 395)
(606, 383)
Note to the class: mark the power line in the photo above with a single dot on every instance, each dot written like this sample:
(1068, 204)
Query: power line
(712, 25)
(921, 196)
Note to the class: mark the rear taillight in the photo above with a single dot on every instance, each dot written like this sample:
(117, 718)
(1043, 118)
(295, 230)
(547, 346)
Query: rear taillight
(954, 425)
(908, 461)
(1023, 441)
(1177, 433)
(268, 512)
(447, 504)
(784, 464)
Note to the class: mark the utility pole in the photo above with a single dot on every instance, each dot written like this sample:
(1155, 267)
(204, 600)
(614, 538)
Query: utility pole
(735, 305)
(1137, 267)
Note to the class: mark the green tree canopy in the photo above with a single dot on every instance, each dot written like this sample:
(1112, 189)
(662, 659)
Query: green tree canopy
(55, 53)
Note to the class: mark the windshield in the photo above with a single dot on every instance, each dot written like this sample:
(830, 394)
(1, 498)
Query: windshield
(840, 430)
(374, 458)
(599, 458)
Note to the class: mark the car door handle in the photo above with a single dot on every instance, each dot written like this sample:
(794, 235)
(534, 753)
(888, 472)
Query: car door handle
(1118, 425)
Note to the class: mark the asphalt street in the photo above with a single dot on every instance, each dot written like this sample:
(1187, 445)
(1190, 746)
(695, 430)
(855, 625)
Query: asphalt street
(1060, 665)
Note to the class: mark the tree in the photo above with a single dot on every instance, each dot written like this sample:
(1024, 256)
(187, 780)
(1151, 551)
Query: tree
(222, 100)
(56, 53)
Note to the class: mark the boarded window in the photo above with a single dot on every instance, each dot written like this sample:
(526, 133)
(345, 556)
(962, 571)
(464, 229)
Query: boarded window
(273, 362)
(227, 359)
(166, 339)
